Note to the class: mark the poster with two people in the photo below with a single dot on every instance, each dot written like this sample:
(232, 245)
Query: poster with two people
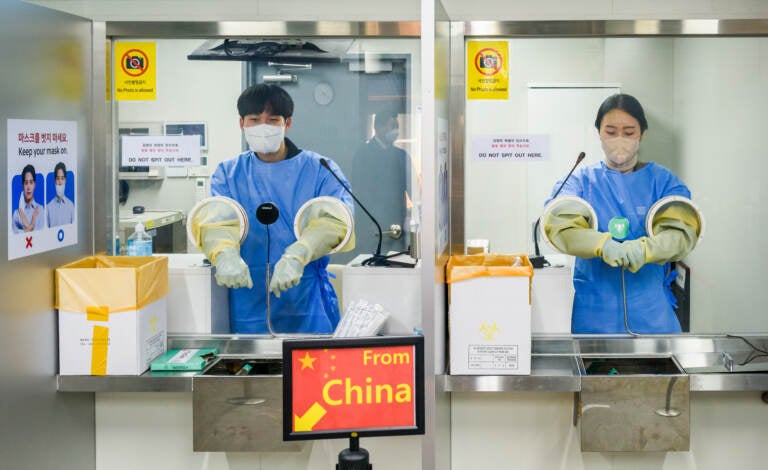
(42, 163)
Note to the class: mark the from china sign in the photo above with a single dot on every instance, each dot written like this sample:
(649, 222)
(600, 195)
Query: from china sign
(336, 386)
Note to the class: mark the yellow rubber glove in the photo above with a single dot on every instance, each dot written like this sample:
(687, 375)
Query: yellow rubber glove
(635, 253)
(216, 230)
(675, 233)
(567, 226)
(323, 232)
(614, 253)
(289, 268)
(231, 270)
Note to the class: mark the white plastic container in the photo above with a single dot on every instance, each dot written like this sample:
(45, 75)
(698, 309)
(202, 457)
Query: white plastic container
(196, 303)
(398, 290)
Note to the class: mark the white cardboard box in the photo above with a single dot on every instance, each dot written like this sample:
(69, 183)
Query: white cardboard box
(112, 314)
(490, 325)
(134, 338)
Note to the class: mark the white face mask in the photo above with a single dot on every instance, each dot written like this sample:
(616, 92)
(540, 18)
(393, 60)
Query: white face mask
(264, 138)
(621, 153)
(59, 190)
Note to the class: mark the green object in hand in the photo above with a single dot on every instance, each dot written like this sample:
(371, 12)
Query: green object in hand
(618, 227)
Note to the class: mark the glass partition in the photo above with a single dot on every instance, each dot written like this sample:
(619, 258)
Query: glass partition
(704, 98)
(356, 103)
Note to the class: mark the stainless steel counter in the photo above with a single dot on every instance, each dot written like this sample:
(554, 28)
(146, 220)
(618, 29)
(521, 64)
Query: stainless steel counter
(554, 366)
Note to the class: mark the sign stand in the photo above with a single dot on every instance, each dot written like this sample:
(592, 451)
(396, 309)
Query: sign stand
(353, 458)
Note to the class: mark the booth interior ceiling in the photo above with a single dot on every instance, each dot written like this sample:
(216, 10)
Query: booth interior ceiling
(323, 50)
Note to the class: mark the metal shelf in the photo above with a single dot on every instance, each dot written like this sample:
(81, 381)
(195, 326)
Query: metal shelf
(554, 365)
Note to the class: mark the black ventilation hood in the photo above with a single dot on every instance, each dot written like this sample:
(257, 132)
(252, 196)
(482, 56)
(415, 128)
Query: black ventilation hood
(251, 49)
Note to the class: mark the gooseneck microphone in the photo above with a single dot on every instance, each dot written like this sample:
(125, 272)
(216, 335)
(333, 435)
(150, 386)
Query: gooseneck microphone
(377, 259)
(539, 261)
(267, 214)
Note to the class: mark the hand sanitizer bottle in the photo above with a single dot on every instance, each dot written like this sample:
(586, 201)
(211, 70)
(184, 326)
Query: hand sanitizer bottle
(139, 243)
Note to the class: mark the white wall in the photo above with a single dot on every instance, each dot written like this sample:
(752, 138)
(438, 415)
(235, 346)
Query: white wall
(534, 430)
(721, 99)
(154, 430)
(187, 90)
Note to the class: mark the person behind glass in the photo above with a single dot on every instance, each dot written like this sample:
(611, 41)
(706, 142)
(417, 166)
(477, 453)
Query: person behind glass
(60, 210)
(621, 186)
(275, 170)
(380, 173)
(29, 216)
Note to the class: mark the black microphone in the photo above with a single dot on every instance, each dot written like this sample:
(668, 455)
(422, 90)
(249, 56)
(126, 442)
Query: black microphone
(267, 213)
(539, 261)
(377, 259)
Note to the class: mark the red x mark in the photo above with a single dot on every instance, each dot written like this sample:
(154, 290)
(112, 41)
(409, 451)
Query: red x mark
(29, 242)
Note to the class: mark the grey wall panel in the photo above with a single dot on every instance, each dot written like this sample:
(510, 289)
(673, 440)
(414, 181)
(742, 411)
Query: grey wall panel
(45, 74)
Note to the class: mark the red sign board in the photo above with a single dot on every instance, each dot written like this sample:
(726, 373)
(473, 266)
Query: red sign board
(338, 386)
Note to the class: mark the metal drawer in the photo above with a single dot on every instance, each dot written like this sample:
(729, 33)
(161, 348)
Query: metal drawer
(240, 413)
(633, 404)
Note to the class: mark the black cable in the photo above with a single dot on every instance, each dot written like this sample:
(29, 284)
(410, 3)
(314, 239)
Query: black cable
(751, 357)
(267, 243)
(748, 343)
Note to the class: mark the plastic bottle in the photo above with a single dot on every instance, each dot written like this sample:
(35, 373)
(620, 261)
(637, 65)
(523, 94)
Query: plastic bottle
(139, 243)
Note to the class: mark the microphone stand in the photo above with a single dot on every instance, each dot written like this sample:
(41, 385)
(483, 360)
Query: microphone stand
(377, 259)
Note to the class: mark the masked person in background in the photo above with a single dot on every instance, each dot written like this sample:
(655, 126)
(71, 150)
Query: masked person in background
(60, 210)
(30, 214)
(275, 170)
(380, 173)
(622, 187)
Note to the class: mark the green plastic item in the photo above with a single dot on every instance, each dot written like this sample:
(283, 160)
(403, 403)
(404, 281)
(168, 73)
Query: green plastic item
(618, 227)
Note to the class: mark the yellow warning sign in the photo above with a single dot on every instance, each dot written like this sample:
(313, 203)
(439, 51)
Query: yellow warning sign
(135, 65)
(487, 70)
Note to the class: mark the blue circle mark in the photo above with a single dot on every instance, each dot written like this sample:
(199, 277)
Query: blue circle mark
(60, 235)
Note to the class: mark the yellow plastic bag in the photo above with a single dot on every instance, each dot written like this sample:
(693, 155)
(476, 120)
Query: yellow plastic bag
(119, 283)
(463, 267)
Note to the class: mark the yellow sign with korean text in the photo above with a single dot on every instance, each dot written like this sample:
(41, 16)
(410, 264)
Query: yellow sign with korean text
(487, 70)
(135, 71)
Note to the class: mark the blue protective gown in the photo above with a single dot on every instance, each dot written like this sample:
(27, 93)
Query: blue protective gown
(311, 306)
(598, 300)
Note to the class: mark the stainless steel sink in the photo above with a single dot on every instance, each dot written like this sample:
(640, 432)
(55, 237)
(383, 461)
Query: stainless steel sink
(632, 404)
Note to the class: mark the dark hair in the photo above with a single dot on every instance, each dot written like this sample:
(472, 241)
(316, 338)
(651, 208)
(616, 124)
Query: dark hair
(60, 166)
(28, 169)
(265, 97)
(626, 103)
(382, 117)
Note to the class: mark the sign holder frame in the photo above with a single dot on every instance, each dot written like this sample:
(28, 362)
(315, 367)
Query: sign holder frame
(329, 343)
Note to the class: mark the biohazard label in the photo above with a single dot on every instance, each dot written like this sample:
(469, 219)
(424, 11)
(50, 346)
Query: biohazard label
(499, 357)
